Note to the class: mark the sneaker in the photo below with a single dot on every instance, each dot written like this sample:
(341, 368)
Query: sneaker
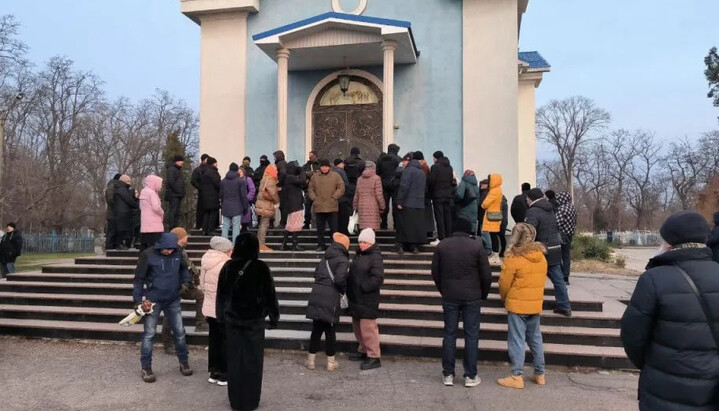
(185, 369)
(148, 375)
(472, 382)
(513, 381)
(566, 313)
(370, 363)
(495, 260)
(540, 380)
(435, 242)
(214, 378)
(222, 383)
(265, 249)
(448, 380)
(357, 356)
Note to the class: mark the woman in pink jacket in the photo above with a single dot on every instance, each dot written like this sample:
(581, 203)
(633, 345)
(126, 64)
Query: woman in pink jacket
(212, 263)
(369, 198)
(151, 213)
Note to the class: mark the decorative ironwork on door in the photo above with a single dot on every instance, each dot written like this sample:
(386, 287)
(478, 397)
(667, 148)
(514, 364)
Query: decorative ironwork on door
(341, 121)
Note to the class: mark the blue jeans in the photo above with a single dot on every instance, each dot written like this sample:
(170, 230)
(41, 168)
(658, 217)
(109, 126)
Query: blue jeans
(487, 242)
(173, 312)
(236, 222)
(560, 287)
(470, 320)
(524, 328)
(7, 268)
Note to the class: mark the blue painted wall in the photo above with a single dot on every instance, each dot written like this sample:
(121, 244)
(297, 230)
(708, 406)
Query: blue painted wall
(428, 95)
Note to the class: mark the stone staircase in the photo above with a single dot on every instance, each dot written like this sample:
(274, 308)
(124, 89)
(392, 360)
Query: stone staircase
(85, 300)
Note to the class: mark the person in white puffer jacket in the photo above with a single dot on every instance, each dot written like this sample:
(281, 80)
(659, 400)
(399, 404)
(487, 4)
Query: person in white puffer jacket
(212, 262)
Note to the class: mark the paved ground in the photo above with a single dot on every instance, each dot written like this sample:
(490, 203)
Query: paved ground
(56, 375)
(637, 257)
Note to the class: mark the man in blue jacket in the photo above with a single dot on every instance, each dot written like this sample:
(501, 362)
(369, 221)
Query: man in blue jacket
(160, 275)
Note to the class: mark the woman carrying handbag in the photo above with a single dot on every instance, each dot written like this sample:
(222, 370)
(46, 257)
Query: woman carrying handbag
(328, 299)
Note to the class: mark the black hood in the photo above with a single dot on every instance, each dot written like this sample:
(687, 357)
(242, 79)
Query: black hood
(293, 168)
(279, 155)
(231, 175)
(264, 163)
(336, 250)
(673, 257)
(544, 204)
(247, 247)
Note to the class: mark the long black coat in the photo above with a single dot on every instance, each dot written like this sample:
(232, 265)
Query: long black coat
(10, 247)
(123, 204)
(174, 182)
(665, 333)
(354, 166)
(233, 195)
(460, 269)
(110, 197)
(324, 301)
(441, 181)
(713, 242)
(541, 216)
(386, 166)
(196, 176)
(412, 186)
(364, 282)
(294, 182)
(210, 189)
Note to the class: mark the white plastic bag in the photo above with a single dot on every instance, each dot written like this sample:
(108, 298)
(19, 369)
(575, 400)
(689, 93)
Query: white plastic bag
(352, 226)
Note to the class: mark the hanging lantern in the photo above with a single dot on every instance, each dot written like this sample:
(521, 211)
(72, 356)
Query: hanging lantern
(344, 80)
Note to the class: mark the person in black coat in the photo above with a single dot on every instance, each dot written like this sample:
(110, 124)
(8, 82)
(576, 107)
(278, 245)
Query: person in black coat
(519, 206)
(540, 214)
(195, 178)
(503, 227)
(713, 242)
(323, 306)
(441, 189)
(386, 167)
(363, 290)
(259, 172)
(10, 249)
(174, 190)
(354, 166)
(210, 197)
(124, 203)
(461, 271)
(311, 167)
(281, 164)
(245, 297)
(665, 329)
(111, 227)
(345, 203)
(295, 181)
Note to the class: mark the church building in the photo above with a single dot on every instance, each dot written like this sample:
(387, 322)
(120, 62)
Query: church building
(328, 75)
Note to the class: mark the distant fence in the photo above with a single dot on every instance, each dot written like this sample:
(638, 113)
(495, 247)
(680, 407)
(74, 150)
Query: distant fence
(632, 238)
(58, 243)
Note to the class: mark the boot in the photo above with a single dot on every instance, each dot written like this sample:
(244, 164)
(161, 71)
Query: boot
(540, 379)
(310, 361)
(296, 242)
(285, 246)
(332, 364)
(513, 381)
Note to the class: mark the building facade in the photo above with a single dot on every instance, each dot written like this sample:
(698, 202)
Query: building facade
(329, 75)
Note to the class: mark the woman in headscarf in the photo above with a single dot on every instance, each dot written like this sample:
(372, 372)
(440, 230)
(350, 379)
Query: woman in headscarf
(268, 200)
(245, 296)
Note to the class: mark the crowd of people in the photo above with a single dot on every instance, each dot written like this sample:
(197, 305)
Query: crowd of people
(235, 292)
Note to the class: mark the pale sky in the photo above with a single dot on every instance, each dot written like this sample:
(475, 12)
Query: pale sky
(642, 60)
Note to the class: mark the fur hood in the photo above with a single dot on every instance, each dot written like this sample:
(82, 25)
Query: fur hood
(532, 251)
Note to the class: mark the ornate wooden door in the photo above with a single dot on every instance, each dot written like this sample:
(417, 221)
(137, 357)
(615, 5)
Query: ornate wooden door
(342, 121)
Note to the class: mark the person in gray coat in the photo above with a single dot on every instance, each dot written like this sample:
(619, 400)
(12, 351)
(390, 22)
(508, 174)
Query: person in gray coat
(410, 206)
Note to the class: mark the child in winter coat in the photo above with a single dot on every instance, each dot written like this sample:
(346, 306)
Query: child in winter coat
(212, 262)
(521, 286)
(323, 307)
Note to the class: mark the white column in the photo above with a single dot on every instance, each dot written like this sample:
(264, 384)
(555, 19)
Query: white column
(388, 49)
(223, 84)
(283, 57)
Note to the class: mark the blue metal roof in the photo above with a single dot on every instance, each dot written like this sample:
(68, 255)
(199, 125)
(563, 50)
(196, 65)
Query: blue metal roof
(332, 15)
(534, 59)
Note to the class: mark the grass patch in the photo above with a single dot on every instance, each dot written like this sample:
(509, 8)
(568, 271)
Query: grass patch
(33, 262)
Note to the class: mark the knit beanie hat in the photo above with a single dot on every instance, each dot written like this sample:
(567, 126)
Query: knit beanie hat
(369, 164)
(179, 232)
(685, 227)
(367, 236)
(325, 163)
(234, 167)
(522, 234)
(178, 158)
(338, 161)
(438, 154)
(535, 194)
(417, 155)
(342, 239)
(211, 161)
(220, 244)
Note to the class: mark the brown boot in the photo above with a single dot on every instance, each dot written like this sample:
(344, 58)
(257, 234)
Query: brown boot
(332, 363)
(513, 381)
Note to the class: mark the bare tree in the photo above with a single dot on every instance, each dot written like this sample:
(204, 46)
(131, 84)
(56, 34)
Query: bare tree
(643, 190)
(686, 167)
(567, 125)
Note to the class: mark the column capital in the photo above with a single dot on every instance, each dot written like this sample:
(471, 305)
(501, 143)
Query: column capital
(283, 53)
(389, 45)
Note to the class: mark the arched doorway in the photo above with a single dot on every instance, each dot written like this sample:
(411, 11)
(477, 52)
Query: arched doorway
(341, 121)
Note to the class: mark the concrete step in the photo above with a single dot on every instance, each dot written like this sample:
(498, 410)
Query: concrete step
(287, 255)
(490, 350)
(419, 328)
(308, 232)
(304, 238)
(276, 245)
(288, 293)
(491, 314)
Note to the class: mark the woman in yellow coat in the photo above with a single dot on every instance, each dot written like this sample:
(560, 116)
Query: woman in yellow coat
(521, 286)
(492, 206)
